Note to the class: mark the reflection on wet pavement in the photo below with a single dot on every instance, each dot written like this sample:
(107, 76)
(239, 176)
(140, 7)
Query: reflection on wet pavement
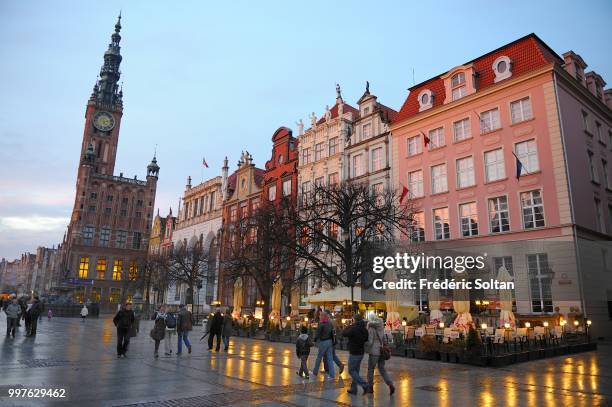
(81, 358)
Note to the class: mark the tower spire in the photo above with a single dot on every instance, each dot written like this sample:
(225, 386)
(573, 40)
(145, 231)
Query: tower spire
(106, 92)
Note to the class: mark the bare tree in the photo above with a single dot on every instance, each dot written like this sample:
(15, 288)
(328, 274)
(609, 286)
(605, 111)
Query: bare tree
(188, 264)
(255, 248)
(339, 227)
(152, 274)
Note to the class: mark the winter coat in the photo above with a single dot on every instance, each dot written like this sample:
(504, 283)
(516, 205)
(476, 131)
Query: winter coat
(216, 326)
(84, 311)
(159, 329)
(184, 321)
(228, 325)
(303, 345)
(36, 309)
(357, 335)
(124, 319)
(376, 331)
(13, 311)
(324, 331)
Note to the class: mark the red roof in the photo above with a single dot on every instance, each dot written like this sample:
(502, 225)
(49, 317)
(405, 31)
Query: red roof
(334, 112)
(388, 112)
(527, 54)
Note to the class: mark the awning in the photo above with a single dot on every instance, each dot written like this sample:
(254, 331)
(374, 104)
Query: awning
(341, 294)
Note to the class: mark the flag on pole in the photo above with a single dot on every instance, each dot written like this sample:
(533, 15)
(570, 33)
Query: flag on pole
(426, 139)
(519, 166)
(204, 163)
(404, 193)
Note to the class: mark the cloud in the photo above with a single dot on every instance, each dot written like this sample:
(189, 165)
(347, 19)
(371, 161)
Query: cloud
(33, 223)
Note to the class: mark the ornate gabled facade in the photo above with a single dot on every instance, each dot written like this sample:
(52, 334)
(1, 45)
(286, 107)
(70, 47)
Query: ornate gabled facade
(110, 223)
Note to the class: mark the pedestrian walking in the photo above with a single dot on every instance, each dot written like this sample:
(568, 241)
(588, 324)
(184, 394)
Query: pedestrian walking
(335, 357)
(216, 328)
(357, 335)
(49, 314)
(323, 335)
(302, 350)
(377, 340)
(226, 330)
(183, 326)
(170, 332)
(123, 320)
(13, 311)
(84, 313)
(158, 332)
(24, 306)
(34, 311)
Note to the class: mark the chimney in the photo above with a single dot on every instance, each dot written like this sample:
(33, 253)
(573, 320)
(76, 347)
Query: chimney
(224, 171)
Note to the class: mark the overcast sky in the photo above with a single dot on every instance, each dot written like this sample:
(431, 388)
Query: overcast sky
(208, 79)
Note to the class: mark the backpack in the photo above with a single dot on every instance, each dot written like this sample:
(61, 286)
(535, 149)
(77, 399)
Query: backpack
(170, 321)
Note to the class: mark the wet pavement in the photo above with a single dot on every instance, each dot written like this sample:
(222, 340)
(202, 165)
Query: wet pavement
(80, 358)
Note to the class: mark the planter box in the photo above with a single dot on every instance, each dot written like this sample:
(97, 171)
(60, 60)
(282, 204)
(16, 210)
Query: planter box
(285, 338)
(522, 357)
(549, 352)
(475, 360)
(453, 358)
(410, 353)
(561, 350)
(500, 361)
(591, 346)
(398, 351)
(535, 354)
(427, 355)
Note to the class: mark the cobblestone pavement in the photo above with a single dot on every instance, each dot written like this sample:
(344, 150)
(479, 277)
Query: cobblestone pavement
(80, 357)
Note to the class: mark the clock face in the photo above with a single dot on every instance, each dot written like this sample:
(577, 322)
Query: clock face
(103, 121)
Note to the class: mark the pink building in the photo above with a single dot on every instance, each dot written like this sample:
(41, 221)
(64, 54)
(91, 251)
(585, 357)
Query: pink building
(460, 142)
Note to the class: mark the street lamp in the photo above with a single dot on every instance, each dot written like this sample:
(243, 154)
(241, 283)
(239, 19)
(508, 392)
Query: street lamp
(527, 325)
(404, 323)
(507, 325)
(483, 327)
(441, 324)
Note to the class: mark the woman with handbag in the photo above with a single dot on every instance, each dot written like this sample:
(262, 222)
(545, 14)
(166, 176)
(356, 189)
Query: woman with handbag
(378, 348)
(159, 329)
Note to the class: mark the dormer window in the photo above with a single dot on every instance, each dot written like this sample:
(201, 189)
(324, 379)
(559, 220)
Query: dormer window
(425, 100)
(458, 86)
(502, 67)
(458, 79)
(366, 111)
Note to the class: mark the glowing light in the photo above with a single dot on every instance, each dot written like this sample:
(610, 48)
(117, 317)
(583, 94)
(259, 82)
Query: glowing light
(305, 319)
(545, 324)
(507, 325)
(589, 322)
(483, 326)
(441, 324)
(404, 323)
(576, 323)
(527, 325)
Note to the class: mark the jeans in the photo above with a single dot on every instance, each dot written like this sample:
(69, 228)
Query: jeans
(376, 361)
(183, 336)
(354, 364)
(11, 326)
(156, 347)
(325, 351)
(226, 341)
(168, 340)
(211, 337)
(335, 358)
(33, 325)
(123, 340)
(303, 366)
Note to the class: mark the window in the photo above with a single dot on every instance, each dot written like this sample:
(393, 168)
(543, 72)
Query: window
(121, 238)
(540, 283)
(79, 294)
(599, 133)
(533, 209)
(117, 269)
(489, 121)
(494, 165)
(136, 240)
(91, 208)
(115, 295)
(505, 261)
(601, 223)
(306, 156)
(498, 214)
(377, 159)
(107, 211)
(244, 209)
(469, 219)
(272, 193)
(415, 183)
(436, 138)
(101, 268)
(592, 169)
(358, 167)
(606, 178)
(138, 215)
(527, 153)
(96, 294)
(462, 130)
(88, 232)
(109, 198)
(124, 201)
(212, 201)
(318, 151)
(319, 182)
(333, 146)
(366, 131)
(502, 68)
(520, 110)
(133, 271)
(414, 146)
(254, 205)
(93, 195)
(458, 93)
(441, 225)
(306, 187)
(585, 121)
(333, 179)
(425, 99)
(287, 187)
(104, 236)
(124, 212)
(465, 172)
(417, 229)
(438, 179)
(84, 267)
(234, 212)
(139, 203)
(458, 79)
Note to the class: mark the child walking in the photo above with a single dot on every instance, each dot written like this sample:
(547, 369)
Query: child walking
(302, 349)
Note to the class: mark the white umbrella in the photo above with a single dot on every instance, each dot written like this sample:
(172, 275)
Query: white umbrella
(433, 297)
(276, 299)
(237, 300)
(461, 305)
(506, 316)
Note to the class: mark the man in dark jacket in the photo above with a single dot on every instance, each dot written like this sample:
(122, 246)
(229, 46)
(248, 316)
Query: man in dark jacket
(216, 328)
(184, 324)
(357, 335)
(123, 320)
(324, 335)
(33, 314)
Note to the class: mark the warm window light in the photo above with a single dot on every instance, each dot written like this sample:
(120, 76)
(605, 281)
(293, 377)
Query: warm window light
(483, 326)
(441, 324)
(507, 325)
(545, 324)
(589, 322)
(527, 325)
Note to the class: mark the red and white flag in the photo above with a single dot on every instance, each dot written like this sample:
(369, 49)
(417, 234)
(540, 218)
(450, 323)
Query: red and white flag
(204, 163)
(404, 193)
